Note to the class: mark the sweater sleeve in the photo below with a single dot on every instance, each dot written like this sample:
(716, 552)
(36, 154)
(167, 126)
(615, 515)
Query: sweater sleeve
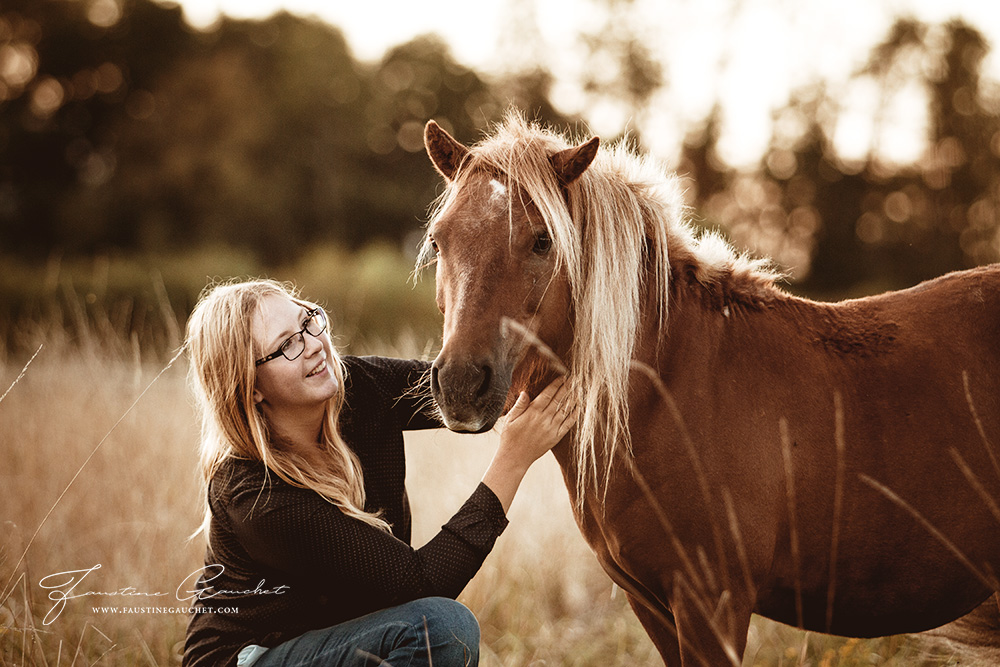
(404, 386)
(297, 533)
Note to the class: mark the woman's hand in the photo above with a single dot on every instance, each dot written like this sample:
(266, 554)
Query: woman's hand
(533, 427)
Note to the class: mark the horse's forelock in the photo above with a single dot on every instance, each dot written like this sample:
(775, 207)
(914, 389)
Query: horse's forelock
(623, 211)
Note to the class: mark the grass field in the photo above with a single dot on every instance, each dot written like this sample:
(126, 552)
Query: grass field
(97, 467)
(128, 500)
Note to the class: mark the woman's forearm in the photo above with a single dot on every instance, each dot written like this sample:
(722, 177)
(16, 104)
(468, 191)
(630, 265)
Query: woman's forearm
(504, 476)
(532, 427)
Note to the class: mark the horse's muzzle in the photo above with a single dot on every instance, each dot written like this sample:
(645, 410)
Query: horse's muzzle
(470, 394)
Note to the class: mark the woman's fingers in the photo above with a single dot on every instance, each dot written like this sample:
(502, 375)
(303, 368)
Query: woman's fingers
(553, 405)
(533, 427)
(551, 412)
(551, 396)
(520, 405)
(568, 416)
(560, 400)
(556, 388)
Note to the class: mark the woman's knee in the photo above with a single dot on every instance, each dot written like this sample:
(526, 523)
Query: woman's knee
(429, 632)
(452, 631)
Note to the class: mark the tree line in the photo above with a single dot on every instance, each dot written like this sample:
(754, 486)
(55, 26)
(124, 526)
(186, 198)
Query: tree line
(134, 131)
(121, 127)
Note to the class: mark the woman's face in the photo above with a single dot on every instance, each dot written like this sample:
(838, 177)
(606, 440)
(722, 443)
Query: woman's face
(299, 383)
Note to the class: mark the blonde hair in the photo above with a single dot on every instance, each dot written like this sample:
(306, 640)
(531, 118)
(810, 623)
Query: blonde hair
(222, 376)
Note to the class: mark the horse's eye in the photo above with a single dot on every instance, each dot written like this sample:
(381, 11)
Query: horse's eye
(434, 246)
(543, 243)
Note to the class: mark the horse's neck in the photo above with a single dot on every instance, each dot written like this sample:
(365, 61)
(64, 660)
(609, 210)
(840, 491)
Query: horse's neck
(695, 320)
(647, 350)
(700, 314)
(686, 318)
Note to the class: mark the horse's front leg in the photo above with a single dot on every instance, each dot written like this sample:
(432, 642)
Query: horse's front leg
(696, 631)
(711, 630)
(659, 625)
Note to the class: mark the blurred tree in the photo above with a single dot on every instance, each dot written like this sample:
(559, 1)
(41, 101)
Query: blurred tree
(619, 72)
(248, 142)
(124, 128)
(904, 223)
(837, 221)
(67, 72)
(414, 82)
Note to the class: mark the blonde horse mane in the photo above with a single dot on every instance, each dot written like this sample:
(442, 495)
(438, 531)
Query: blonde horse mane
(624, 212)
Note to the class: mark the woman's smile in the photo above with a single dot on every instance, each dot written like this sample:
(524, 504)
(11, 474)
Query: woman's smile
(320, 368)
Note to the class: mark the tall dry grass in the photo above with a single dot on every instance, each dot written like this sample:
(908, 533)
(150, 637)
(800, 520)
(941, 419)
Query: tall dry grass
(80, 488)
(87, 479)
(90, 475)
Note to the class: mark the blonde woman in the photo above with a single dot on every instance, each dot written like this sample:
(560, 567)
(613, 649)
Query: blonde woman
(308, 525)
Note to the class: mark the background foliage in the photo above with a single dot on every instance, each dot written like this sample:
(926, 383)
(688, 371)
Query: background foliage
(124, 130)
(140, 133)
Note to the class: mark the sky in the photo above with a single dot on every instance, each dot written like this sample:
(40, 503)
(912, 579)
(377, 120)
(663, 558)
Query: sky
(748, 54)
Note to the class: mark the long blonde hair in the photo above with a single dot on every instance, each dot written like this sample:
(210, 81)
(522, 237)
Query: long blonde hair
(222, 376)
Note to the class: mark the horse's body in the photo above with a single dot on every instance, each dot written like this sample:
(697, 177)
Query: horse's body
(902, 404)
(830, 466)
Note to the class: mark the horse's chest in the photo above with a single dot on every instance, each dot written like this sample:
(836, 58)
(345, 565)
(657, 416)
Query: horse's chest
(623, 550)
(597, 540)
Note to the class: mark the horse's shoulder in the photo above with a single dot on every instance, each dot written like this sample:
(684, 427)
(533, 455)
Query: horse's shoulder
(978, 285)
(958, 296)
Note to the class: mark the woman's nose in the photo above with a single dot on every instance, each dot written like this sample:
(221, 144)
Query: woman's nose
(314, 344)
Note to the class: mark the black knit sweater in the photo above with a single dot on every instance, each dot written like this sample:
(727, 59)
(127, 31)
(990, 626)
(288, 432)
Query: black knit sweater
(282, 560)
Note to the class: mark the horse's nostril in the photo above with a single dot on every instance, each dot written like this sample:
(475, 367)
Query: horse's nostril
(435, 383)
(487, 381)
(462, 382)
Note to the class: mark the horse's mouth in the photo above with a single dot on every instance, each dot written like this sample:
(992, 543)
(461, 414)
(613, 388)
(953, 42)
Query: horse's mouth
(471, 429)
(468, 412)
(469, 419)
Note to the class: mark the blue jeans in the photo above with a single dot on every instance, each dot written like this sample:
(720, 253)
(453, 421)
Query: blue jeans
(425, 632)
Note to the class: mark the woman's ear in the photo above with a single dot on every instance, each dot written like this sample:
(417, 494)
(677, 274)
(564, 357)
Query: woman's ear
(258, 397)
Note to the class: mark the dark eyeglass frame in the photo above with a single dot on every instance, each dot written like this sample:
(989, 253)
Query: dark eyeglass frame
(311, 316)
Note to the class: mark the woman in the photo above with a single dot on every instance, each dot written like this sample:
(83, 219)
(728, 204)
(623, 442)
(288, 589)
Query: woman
(308, 524)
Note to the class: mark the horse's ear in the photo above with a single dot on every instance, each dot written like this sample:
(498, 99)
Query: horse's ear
(444, 150)
(572, 162)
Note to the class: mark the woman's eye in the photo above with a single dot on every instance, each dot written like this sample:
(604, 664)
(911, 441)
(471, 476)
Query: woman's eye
(543, 243)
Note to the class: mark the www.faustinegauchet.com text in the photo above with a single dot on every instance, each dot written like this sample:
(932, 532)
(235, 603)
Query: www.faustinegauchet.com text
(165, 610)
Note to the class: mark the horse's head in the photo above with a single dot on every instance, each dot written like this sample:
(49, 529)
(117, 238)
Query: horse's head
(500, 280)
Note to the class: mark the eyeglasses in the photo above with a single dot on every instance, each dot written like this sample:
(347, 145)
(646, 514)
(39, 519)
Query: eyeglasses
(314, 325)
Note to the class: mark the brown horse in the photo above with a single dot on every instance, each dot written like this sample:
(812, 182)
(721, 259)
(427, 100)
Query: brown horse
(829, 466)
